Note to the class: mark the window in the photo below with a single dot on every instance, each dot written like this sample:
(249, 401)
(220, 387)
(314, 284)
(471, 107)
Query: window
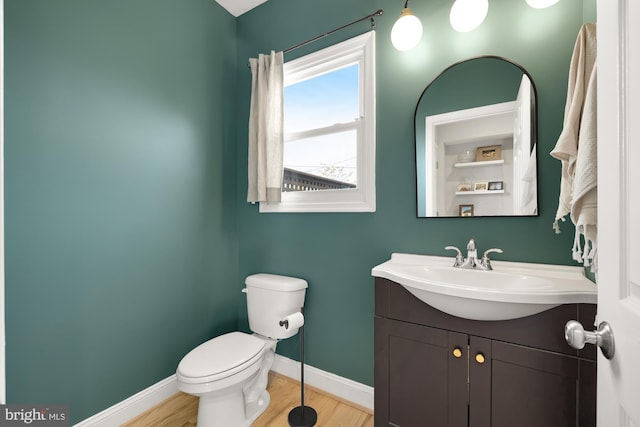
(329, 125)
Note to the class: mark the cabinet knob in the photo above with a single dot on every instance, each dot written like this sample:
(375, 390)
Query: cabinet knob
(480, 358)
(457, 353)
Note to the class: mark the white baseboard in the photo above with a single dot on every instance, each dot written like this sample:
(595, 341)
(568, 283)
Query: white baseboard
(124, 411)
(133, 406)
(352, 391)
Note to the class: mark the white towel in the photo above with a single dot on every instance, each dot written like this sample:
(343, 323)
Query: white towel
(566, 149)
(577, 148)
(584, 203)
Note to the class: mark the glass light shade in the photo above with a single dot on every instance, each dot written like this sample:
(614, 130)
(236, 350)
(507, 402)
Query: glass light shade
(407, 31)
(541, 4)
(467, 15)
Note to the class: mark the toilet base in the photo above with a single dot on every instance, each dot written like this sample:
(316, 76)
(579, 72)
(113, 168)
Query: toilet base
(257, 408)
(229, 410)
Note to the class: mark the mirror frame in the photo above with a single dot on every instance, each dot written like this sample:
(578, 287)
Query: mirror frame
(534, 133)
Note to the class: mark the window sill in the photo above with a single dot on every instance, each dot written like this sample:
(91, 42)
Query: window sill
(324, 201)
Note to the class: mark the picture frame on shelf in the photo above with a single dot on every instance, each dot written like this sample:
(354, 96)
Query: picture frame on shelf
(465, 210)
(464, 187)
(481, 186)
(495, 185)
(489, 152)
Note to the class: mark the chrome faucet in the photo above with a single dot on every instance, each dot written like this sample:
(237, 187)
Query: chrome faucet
(472, 255)
(471, 261)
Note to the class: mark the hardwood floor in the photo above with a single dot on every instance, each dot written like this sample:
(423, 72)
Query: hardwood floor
(181, 409)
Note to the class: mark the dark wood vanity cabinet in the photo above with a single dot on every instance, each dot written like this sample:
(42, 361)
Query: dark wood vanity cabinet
(437, 370)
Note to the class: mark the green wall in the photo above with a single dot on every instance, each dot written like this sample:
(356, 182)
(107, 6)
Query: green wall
(335, 252)
(127, 231)
(121, 241)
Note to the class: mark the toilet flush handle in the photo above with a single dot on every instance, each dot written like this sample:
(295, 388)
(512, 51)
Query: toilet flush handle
(244, 290)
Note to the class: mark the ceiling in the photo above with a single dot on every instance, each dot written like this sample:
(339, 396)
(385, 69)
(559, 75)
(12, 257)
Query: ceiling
(238, 7)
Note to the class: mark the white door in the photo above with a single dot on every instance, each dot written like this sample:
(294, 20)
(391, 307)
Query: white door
(619, 209)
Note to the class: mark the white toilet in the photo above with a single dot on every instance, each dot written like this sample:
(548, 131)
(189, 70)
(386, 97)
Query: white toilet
(229, 373)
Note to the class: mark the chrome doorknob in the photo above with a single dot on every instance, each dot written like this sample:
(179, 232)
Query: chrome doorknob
(577, 337)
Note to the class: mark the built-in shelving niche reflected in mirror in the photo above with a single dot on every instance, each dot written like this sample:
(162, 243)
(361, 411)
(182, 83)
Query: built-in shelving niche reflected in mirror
(475, 135)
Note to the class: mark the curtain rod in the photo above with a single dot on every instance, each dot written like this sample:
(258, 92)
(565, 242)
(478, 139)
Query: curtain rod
(372, 16)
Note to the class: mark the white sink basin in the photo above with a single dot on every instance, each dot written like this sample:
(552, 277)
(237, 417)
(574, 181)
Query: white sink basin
(512, 290)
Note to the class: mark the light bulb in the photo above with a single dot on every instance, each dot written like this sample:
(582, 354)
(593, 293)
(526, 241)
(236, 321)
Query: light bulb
(407, 31)
(541, 4)
(467, 15)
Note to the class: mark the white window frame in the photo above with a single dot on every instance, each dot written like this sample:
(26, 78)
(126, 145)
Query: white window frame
(360, 50)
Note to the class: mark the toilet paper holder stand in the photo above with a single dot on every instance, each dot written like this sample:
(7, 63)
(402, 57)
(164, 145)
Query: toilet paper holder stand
(301, 416)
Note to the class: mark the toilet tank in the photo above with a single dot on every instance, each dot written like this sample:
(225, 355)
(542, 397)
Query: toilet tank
(271, 298)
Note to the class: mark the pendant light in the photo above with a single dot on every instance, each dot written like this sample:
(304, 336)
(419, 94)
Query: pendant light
(407, 31)
(541, 4)
(467, 15)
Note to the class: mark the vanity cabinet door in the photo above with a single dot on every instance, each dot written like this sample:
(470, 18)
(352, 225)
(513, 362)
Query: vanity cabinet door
(480, 362)
(533, 388)
(418, 380)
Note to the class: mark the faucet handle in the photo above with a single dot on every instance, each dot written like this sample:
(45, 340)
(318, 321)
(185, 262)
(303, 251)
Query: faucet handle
(459, 259)
(488, 251)
(485, 262)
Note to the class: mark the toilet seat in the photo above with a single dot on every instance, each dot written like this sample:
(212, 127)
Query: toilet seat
(220, 358)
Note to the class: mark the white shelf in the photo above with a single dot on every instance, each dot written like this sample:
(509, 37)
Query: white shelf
(478, 193)
(478, 164)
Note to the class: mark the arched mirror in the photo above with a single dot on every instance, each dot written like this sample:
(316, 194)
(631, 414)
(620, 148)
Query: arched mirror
(475, 135)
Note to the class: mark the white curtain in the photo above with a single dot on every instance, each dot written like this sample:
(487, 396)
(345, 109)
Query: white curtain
(266, 122)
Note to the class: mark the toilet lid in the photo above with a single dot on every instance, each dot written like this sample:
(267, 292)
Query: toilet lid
(226, 353)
